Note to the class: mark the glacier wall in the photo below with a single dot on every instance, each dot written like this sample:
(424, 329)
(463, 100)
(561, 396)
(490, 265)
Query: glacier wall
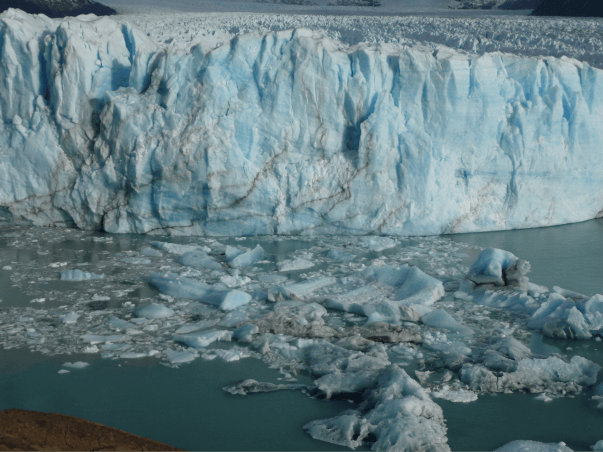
(287, 133)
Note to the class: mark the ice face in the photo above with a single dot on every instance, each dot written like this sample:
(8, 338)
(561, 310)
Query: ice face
(383, 141)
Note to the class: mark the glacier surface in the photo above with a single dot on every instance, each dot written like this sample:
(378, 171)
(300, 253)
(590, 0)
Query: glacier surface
(289, 132)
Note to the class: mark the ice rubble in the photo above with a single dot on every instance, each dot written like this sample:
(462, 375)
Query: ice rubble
(498, 278)
(247, 138)
(315, 326)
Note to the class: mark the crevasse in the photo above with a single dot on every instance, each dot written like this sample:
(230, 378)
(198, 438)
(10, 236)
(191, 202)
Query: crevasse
(290, 132)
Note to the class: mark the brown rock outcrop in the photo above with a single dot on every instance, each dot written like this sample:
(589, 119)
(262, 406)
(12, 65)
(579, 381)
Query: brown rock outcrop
(33, 430)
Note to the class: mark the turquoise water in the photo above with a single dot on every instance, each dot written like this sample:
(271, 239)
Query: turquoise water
(187, 408)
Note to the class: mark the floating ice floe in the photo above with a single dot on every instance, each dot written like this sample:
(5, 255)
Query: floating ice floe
(300, 290)
(251, 386)
(153, 311)
(533, 446)
(78, 275)
(396, 411)
(70, 317)
(248, 258)
(376, 244)
(136, 260)
(75, 365)
(179, 357)
(146, 251)
(203, 338)
(341, 256)
(290, 265)
(177, 286)
(458, 395)
(198, 259)
(175, 248)
(552, 375)
(598, 446)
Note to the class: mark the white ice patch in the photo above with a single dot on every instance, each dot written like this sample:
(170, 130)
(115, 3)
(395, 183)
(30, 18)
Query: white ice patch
(294, 264)
(533, 446)
(598, 446)
(248, 258)
(78, 275)
(179, 357)
(75, 365)
(204, 338)
(175, 248)
(459, 395)
(153, 311)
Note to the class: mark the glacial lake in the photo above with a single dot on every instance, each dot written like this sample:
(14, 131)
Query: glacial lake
(186, 406)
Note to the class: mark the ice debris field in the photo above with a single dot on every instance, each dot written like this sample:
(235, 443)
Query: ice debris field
(400, 322)
(294, 131)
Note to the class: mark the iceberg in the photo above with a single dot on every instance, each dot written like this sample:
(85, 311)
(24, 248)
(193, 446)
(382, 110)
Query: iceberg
(289, 132)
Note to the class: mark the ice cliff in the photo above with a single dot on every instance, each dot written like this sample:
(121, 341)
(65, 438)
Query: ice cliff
(289, 132)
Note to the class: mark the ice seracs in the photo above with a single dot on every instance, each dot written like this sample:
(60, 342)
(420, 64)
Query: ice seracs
(258, 144)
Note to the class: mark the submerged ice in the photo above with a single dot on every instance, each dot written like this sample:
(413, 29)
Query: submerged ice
(289, 132)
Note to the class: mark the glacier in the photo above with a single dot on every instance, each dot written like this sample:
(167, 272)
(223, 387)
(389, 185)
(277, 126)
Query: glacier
(289, 132)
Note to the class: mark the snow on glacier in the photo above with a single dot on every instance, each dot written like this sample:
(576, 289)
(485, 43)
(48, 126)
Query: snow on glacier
(289, 132)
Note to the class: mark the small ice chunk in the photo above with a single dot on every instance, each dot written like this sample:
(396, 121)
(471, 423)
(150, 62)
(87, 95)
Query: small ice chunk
(227, 300)
(300, 290)
(138, 355)
(543, 397)
(63, 371)
(490, 266)
(202, 325)
(175, 357)
(204, 338)
(598, 446)
(153, 311)
(234, 280)
(245, 333)
(297, 263)
(415, 286)
(273, 279)
(459, 395)
(180, 287)
(108, 346)
(146, 251)
(198, 259)
(248, 258)
(78, 275)
(97, 339)
(233, 318)
(70, 317)
(568, 293)
(376, 243)
(533, 446)
(340, 256)
(251, 386)
(232, 252)
(439, 318)
(75, 365)
(38, 300)
(231, 355)
(174, 248)
(136, 260)
(115, 322)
